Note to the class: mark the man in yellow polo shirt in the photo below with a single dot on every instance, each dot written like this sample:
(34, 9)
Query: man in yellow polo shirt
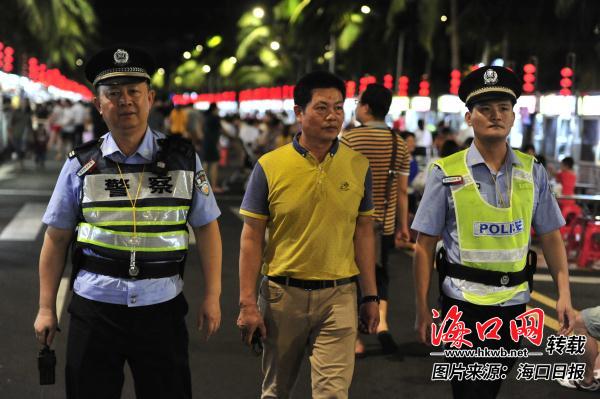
(315, 196)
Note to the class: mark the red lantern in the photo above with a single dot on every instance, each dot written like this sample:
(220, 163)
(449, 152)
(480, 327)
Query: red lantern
(566, 83)
(350, 88)
(454, 81)
(566, 72)
(424, 88)
(403, 86)
(363, 84)
(529, 68)
(529, 78)
(388, 81)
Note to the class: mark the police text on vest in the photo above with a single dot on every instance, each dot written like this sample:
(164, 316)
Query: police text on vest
(498, 229)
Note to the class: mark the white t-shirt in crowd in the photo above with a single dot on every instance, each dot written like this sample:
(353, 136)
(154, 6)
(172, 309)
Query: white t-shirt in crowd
(423, 138)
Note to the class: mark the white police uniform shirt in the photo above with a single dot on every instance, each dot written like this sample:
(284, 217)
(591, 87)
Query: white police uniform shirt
(436, 216)
(63, 210)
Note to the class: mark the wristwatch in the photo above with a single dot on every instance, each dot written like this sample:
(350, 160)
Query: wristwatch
(369, 298)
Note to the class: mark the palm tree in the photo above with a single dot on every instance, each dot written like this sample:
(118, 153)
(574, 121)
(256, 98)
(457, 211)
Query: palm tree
(57, 31)
(261, 57)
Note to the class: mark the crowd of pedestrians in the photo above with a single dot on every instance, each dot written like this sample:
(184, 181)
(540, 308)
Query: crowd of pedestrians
(31, 130)
(332, 203)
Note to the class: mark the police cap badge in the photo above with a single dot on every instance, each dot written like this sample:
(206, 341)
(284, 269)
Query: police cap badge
(489, 83)
(119, 65)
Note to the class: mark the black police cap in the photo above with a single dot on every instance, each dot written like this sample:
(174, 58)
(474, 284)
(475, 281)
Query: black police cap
(489, 83)
(119, 65)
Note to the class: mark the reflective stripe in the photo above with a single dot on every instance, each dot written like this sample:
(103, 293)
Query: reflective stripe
(98, 187)
(148, 242)
(146, 216)
(489, 256)
(481, 294)
(489, 296)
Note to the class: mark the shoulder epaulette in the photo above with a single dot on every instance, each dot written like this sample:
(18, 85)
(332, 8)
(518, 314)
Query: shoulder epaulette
(86, 154)
(181, 144)
(89, 144)
(85, 147)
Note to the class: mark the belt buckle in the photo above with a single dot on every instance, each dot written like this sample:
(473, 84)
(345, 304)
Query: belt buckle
(504, 280)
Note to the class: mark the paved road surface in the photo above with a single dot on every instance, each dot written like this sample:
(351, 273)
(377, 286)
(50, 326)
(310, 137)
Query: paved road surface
(222, 367)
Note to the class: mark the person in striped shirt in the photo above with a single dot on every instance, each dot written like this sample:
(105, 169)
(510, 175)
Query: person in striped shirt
(374, 140)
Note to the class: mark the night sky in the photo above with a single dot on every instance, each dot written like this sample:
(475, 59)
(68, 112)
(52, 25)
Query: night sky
(168, 28)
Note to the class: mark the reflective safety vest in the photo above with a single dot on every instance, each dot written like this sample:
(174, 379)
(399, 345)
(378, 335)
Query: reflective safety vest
(105, 236)
(491, 238)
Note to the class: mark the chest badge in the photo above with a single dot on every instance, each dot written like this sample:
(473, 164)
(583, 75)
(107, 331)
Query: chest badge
(452, 180)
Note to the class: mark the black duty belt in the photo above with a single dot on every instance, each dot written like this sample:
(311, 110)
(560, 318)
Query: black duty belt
(120, 268)
(487, 277)
(310, 285)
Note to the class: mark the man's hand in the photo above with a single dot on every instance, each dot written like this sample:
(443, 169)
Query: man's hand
(423, 326)
(401, 237)
(45, 323)
(248, 321)
(566, 315)
(209, 316)
(368, 317)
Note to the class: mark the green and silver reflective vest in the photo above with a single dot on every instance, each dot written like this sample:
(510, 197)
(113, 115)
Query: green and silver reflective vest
(161, 210)
(492, 238)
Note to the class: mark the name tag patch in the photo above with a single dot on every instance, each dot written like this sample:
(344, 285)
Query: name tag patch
(452, 180)
(498, 229)
(86, 168)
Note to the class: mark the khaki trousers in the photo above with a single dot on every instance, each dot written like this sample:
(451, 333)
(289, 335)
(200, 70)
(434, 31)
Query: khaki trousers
(324, 322)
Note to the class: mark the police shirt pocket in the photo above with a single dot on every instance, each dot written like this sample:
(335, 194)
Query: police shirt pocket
(270, 291)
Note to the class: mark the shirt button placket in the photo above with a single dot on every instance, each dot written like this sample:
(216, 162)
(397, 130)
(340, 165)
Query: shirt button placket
(132, 293)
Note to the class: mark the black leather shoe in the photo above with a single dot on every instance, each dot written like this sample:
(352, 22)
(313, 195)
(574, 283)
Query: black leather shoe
(388, 346)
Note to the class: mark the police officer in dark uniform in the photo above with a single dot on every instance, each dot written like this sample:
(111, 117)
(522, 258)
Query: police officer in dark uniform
(483, 202)
(128, 197)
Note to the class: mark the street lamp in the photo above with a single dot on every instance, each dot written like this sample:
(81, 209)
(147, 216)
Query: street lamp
(79, 62)
(275, 45)
(233, 60)
(206, 68)
(443, 18)
(258, 12)
(187, 55)
(161, 71)
(365, 9)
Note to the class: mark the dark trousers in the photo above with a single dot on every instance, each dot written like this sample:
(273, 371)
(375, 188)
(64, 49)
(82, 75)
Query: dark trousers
(382, 278)
(152, 339)
(472, 314)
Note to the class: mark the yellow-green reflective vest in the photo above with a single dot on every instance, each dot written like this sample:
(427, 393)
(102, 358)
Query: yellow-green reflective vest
(106, 227)
(492, 238)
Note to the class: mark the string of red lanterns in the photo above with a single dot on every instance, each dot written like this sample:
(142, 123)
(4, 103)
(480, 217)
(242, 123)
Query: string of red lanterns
(40, 73)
